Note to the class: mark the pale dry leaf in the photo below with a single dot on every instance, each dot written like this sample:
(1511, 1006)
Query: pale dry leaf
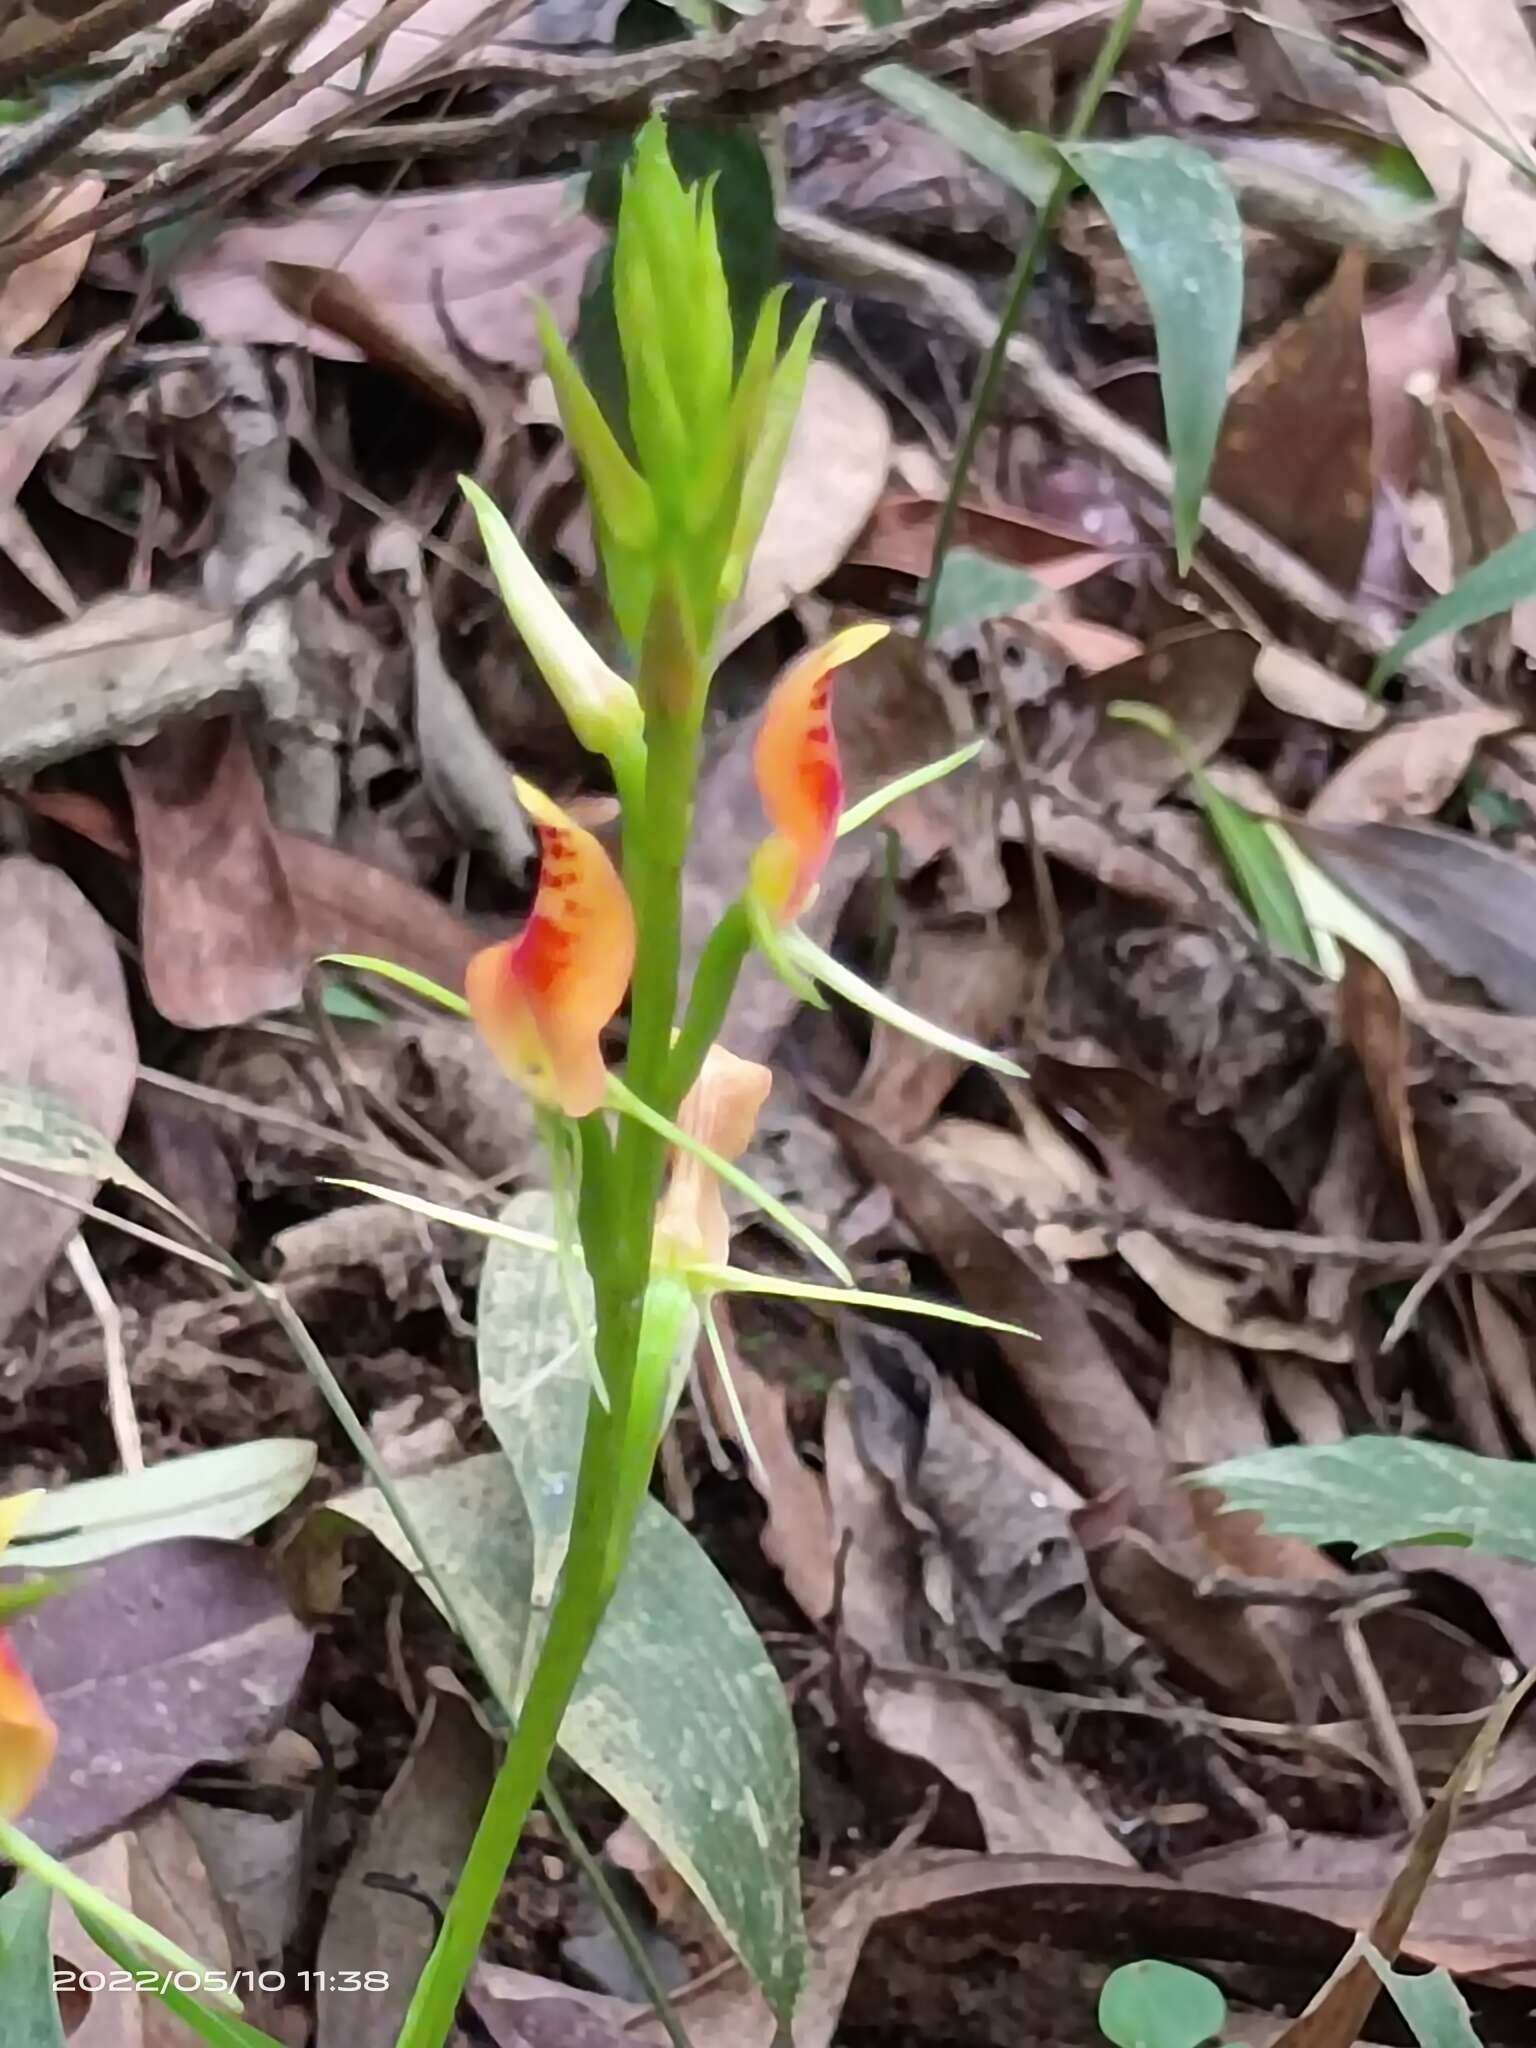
(64, 1028)
(35, 291)
(969, 977)
(1410, 770)
(1297, 684)
(1482, 70)
(1015, 1172)
(113, 2019)
(465, 265)
(171, 1889)
(218, 921)
(422, 1830)
(438, 33)
(39, 397)
(834, 473)
(1024, 1802)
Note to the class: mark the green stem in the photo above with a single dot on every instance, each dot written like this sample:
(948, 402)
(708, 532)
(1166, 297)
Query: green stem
(714, 983)
(20, 1849)
(989, 382)
(585, 1584)
(616, 1221)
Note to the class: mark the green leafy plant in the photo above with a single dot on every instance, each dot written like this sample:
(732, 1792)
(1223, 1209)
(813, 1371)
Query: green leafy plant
(594, 1617)
(1179, 227)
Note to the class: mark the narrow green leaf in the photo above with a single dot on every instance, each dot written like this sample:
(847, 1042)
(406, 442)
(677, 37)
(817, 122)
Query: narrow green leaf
(679, 1715)
(1026, 162)
(1495, 584)
(218, 2029)
(974, 586)
(404, 977)
(1374, 1491)
(905, 785)
(27, 1997)
(1437, 2014)
(737, 1280)
(1257, 863)
(442, 1212)
(226, 1493)
(1158, 2005)
(832, 974)
(1179, 226)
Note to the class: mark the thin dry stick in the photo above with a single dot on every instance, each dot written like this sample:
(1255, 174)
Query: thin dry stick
(125, 1423)
(1448, 1254)
(1378, 1707)
(210, 149)
(192, 46)
(752, 69)
(78, 40)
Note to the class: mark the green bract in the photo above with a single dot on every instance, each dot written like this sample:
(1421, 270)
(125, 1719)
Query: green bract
(678, 512)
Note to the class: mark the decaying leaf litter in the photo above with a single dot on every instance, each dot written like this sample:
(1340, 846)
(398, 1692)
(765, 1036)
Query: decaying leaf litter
(258, 703)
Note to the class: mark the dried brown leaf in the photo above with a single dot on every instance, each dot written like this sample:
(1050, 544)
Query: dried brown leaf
(1482, 71)
(901, 531)
(34, 292)
(466, 263)
(1295, 450)
(1469, 906)
(1410, 770)
(1023, 1801)
(331, 299)
(219, 925)
(65, 1028)
(421, 1831)
(180, 1653)
(39, 397)
(971, 978)
(1066, 1370)
(1198, 678)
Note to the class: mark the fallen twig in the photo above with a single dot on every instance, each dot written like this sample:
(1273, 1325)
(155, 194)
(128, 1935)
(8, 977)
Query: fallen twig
(190, 46)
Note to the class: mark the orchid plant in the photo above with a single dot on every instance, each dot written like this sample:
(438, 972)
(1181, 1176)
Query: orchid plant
(638, 1153)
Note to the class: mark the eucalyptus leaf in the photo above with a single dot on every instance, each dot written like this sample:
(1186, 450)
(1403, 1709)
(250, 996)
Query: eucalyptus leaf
(1159, 2005)
(973, 586)
(1026, 162)
(1179, 226)
(1375, 1491)
(678, 1715)
(227, 1493)
(1496, 584)
(1437, 2014)
(27, 1997)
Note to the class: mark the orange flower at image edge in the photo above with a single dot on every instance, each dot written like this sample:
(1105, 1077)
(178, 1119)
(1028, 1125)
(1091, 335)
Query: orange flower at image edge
(541, 1000)
(28, 1737)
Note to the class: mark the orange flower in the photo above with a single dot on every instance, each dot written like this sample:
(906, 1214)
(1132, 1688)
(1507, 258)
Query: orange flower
(799, 775)
(720, 1110)
(541, 1000)
(27, 1737)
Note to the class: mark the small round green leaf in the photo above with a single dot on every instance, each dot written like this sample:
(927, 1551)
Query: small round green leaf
(1158, 2005)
